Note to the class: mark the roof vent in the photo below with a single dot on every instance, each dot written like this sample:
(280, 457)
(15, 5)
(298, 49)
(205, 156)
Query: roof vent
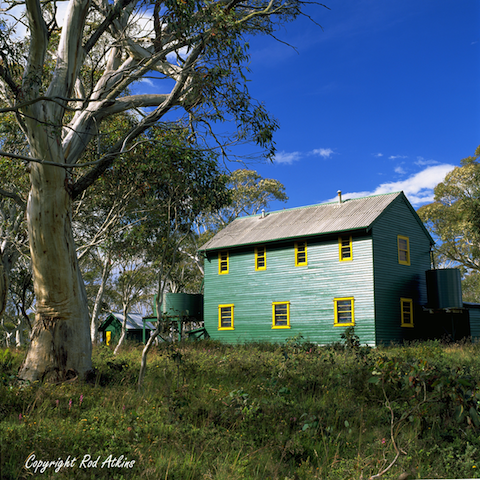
(263, 213)
(339, 193)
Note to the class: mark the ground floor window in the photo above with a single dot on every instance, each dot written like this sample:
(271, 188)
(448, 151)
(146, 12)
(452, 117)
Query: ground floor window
(281, 315)
(344, 312)
(406, 306)
(225, 317)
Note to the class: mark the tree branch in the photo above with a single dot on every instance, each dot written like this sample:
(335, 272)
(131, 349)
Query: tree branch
(38, 46)
(15, 197)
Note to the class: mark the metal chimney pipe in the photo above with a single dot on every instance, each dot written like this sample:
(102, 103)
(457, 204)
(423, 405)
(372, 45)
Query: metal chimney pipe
(339, 196)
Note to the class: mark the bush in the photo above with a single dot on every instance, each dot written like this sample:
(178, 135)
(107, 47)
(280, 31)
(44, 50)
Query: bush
(295, 411)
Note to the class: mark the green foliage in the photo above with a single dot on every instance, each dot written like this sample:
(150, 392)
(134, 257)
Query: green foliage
(249, 194)
(454, 216)
(215, 411)
(350, 338)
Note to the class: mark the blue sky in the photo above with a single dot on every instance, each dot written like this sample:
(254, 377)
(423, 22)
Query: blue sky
(385, 97)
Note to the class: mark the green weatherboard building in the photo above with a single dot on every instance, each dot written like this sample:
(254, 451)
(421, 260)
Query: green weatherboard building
(317, 270)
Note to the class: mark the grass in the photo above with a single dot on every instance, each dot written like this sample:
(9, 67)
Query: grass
(256, 411)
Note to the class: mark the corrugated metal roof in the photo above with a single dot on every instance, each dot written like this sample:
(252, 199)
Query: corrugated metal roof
(353, 214)
(134, 321)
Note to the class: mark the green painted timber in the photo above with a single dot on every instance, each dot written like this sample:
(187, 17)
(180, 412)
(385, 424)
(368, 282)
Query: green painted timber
(474, 318)
(310, 289)
(374, 278)
(393, 280)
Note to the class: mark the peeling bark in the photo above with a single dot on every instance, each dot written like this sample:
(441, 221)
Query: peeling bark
(60, 344)
(3, 286)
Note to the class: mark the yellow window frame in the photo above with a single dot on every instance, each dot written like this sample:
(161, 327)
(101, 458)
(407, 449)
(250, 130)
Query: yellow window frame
(340, 308)
(301, 250)
(278, 315)
(223, 262)
(222, 314)
(403, 244)
(344, 247)
(260, 258)
(406, 312)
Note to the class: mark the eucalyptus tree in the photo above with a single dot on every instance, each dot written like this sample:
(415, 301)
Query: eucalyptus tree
(188, 183)
(21, 298)
(132, 285)
(454, 219)
(63, 83)
(14, 187)
(454, 215)
(250, 193)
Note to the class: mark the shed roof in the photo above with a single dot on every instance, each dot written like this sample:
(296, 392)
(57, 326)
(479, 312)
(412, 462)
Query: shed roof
(134, 321)
(352, 214)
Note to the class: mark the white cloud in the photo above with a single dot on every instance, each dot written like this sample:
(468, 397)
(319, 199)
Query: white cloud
(421, 161)
(394, 157)
(18, 11)
(142, 20)
(418, 187)
(290, 157)
(173, 57)
(147, 81)
(322, 152)
(378, 155)
(287, 157)
(400, 170)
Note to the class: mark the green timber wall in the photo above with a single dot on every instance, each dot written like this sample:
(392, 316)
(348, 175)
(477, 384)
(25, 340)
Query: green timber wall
(393, 280)
(474, 317)
(310, 290)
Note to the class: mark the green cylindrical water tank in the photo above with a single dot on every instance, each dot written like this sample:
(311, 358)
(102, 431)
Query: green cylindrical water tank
(444, 288)
(183, 305)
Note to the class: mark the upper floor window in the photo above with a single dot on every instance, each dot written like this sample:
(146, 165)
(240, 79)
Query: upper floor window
(344, 312)
(260, 258)
(403, 250)
(345, 248)
(406, 306)
(223, 262)
(225, 317)
(281, 315)
(300, 254)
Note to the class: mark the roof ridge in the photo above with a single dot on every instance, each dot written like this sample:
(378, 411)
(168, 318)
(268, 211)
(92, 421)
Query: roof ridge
(321, 204)
(353, 214)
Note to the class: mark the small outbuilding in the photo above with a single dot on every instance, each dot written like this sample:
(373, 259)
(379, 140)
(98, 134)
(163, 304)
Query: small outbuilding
(137, 328)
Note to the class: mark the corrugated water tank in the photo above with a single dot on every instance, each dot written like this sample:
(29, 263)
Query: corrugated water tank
(444, 288)
(183, 304)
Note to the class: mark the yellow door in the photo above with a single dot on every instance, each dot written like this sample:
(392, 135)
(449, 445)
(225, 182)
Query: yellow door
(108, 337)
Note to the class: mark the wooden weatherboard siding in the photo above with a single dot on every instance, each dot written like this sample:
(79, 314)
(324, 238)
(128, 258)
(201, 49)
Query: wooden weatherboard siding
(474, 319)
(393, 280)
(310, 289)
(374, 277)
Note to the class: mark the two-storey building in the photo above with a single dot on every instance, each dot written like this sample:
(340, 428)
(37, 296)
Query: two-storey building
(316, 270)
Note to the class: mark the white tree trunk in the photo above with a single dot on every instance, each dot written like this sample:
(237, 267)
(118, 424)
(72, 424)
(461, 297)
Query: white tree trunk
(60, 344)
(3, 286)
(126, 308)
(98, 300)
(19, 333)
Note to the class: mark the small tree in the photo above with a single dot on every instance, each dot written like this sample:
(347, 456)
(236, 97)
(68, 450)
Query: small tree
(250, 193)
(454, 216)
(190, 186)
(132, 285)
